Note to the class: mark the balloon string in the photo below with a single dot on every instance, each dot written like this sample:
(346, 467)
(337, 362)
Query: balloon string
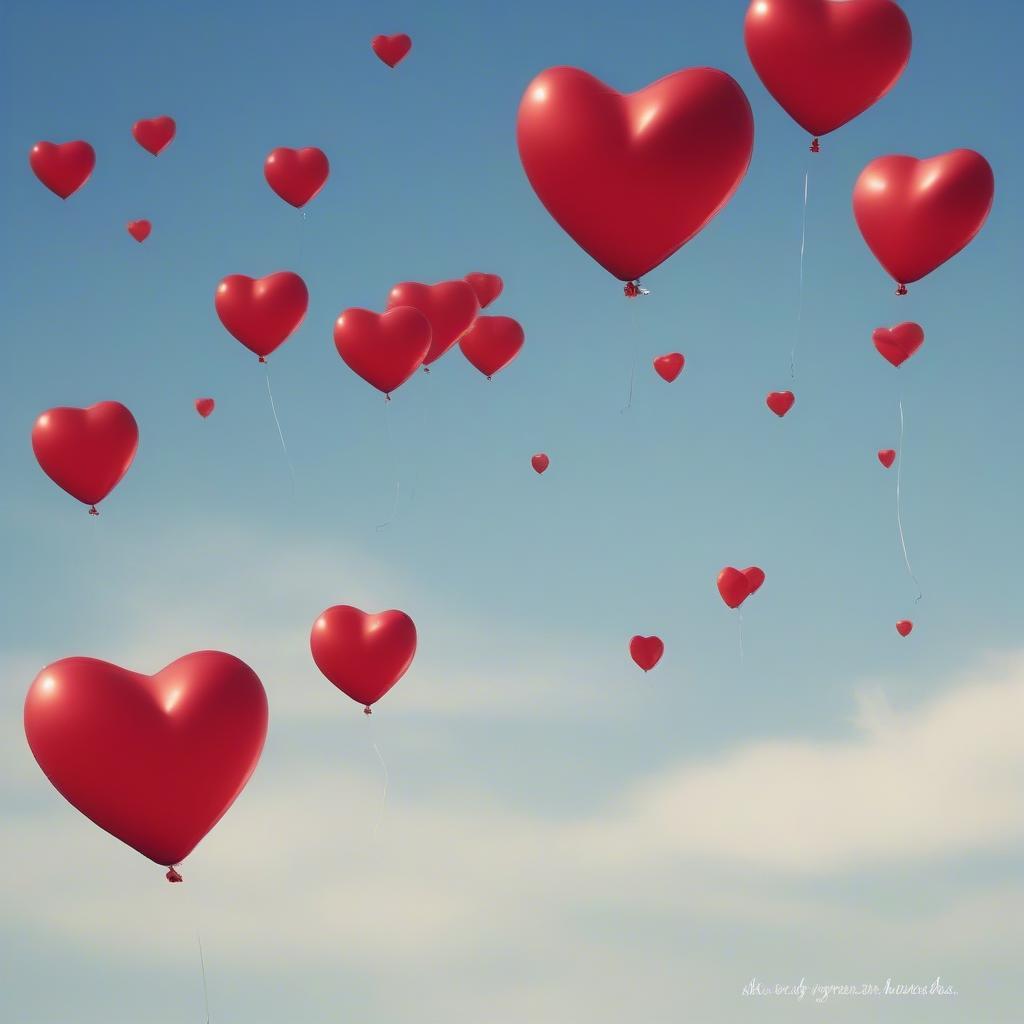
(202, 964)
(800, 299)
(741, 633)
(302, 239)
(280, 432)
(899, 516)
(384, 769)
(632, 366)
(394, 466)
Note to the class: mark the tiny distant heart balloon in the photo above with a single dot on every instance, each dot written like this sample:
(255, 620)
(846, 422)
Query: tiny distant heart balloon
(487, 287)
(86, 451)
(916, 214)
(262, 312)
(204, 406)
(296, 175)
(887, 456)
(734, 586)
(904, 626)
(540, 462)
(364, 655)
(391, 49)
(780, 402)
(826, 61)
(385, 349)
(897, 344)
(450, 307)
(154, 134)
(646, 651)
(492, 343)
(633, 177)
(139, 229)
(670, 366)
(157, 760)
(755, 577)
(63, 168)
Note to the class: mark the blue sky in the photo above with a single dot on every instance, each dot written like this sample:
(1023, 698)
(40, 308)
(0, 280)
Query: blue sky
(563, 837)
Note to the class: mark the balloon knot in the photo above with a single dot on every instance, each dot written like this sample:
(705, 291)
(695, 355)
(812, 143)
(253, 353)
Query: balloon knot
(633, 289)
(387, 396)
(173, 876)
(367, 710)
(426, 369)
(489, 377)
(94, 511)
(262, 359)
(902, 290)
(815, 148)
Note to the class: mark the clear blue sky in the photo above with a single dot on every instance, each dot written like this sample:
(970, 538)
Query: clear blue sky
(526, 589)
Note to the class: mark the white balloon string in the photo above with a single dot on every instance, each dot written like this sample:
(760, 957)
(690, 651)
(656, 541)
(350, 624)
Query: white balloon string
(202, 964)
(899, 507)
(280, 433)
(800, 298)
(384, 769)
(394, 467)
(741, 633)
(632, 367)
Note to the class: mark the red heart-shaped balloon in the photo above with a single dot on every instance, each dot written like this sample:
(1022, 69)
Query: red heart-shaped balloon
(887, 456)
(824, 61)
(139, 229)
(63, 168)
(734, 586)
(492, 343)
(296, 175)
(755, 577)
(86, 451)
(385, 349)
(154, 134)
(487, 287)
(204, 406)
(670, 366)
(632, 177)
(391, 49)
(363, 655)
(780, 402)
(899, 343)
(646, 651)
(262, 312)
(449, 306)
(153, 760)
(540, 462)
(916, 214)
(904, 626)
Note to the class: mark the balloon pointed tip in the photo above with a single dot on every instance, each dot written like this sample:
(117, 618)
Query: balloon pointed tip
(172, 876)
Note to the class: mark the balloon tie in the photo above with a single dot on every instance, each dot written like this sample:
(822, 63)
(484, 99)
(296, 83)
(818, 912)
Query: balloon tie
(633, 289)
(902, 290)
(815, 148)
(367, 710)
(94, 511)
(263, 359)
(899, 516)
(173, 876)
(426, 369)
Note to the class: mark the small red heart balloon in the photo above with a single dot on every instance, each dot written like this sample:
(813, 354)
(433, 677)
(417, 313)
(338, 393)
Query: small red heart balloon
(154, 134)
(391, 49)
(734, 586)
(385, 349)
(780, 402)
(904, 626)
(632, 177)
(540, 462)
(487, 287)
(670, 366)
(646, 651)
(204, 406)
(826, 62)
(887, 456)
(262, 312)
(755, 577)
(916, 214)
(449, 306)
(139, 229)
(363, 655)
(492, 343)
(899, 343)
(157, 760)
(296, 175)
(86, 451)
(63, 168)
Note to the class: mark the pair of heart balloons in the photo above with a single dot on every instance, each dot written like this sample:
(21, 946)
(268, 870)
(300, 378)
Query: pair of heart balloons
(736, 585)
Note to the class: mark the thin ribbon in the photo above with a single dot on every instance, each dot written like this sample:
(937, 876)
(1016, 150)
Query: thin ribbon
(632, 367)
(899, 516)
(384, 769)
(741, 632)
(202, 964)
(280, 432)
(394, 465)
(800, 300)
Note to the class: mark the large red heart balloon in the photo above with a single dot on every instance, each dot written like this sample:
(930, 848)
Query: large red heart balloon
(450, 306)
(86, 451)
(492, 343)
(487, 287)
(646, 651)
(734, 585)
(63, 168)
(385, 349)
(780, 402)
(139, 229)
(262, 312)
(153, 760)
(670, 366)
(363, 655)
(391, 49)
(897, 344)
(154, 134)
(296, 175)
(632, 177)
(826, 61)
(916, 214)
